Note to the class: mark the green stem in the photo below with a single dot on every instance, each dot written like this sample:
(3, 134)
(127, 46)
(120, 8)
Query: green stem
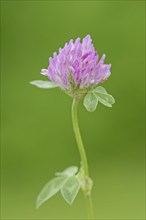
(82, 153)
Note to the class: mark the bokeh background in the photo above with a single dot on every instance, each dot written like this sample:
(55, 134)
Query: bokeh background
(37, 135)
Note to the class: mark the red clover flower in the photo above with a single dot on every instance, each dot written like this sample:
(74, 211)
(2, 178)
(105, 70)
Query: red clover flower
(77, 68)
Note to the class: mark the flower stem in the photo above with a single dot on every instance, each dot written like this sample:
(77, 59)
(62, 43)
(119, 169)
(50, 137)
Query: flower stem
(82, 154)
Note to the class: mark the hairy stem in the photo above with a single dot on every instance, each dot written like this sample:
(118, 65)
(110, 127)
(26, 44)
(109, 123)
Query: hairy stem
(82, 154)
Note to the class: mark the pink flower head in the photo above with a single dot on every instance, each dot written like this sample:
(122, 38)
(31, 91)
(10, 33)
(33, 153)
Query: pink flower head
(76, 66)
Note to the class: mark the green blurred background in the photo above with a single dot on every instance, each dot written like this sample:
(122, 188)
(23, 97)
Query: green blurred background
(37, 135)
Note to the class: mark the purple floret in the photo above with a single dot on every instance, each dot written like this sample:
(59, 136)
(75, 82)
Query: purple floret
(77, 66)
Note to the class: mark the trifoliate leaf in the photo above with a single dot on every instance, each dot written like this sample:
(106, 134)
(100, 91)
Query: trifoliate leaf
(90, 102)
(70, 189)
(44, 84)
(50, 189)
(70, 171)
